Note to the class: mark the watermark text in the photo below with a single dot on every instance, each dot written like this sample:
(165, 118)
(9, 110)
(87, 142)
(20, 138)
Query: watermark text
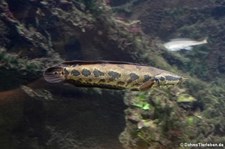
(202, 145)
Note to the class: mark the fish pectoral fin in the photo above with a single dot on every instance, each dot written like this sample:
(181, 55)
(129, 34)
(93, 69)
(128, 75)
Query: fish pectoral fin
(147, 85)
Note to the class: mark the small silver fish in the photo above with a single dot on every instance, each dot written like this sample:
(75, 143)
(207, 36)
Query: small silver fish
(182, 43)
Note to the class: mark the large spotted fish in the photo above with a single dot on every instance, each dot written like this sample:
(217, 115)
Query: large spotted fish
(109, 74)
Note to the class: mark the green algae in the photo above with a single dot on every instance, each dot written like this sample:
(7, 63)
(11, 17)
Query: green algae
(185, 98)
(141, 102)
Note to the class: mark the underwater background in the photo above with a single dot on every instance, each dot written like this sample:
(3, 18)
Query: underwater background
(37, 34)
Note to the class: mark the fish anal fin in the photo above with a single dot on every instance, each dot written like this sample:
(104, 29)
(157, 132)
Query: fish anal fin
(188, 48)
(147, 85)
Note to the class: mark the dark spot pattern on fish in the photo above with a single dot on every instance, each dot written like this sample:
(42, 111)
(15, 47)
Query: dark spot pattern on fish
(134, 89)
(86, 72)
(120, 83)
(136, 84)
(75, 72)
(79, 83)
(146, 78)
(66, 72)
(162, 78)
(110, 86)
(110, 80)
(101, 81)
(129, 81)
(133, 77)
(114, 75)
(98, 73)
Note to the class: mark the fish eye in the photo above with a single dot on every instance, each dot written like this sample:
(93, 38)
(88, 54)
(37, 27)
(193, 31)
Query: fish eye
(55, 73)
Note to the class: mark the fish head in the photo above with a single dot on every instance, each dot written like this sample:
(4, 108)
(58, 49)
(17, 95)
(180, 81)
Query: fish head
(54, 74)
(168, 79)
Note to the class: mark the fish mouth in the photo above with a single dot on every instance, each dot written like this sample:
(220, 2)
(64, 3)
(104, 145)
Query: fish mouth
(54, 74)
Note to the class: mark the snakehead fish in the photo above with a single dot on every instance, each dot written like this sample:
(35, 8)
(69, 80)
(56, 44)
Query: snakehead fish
(110, 74)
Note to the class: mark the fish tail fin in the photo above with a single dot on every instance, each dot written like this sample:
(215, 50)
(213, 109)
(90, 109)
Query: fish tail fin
(54, 74)
(205, 40)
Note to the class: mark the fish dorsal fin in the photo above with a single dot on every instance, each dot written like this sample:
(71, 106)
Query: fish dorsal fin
(181, 39)
(83, 62)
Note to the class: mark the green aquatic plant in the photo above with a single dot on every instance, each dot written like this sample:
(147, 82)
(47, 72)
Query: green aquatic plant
(185, 98)
(190, 120)
(141, 102)
(161, 124)
(20, 70)
(94, 6)
(12, 61)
